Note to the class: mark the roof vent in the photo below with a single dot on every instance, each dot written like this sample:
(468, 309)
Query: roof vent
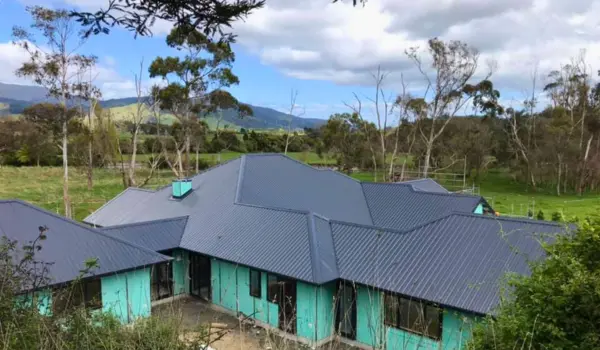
(181, 188)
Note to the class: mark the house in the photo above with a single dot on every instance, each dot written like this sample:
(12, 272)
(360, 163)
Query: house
(317, 255)
(119, 284)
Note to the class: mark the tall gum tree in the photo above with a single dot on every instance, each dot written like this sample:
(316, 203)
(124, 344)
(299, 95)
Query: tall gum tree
(55, 65)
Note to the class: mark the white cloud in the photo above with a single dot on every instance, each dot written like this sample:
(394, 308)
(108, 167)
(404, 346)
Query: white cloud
(342, 43)
(110, 82)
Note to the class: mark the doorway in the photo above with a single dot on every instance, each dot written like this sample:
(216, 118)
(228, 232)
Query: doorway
(345, 318)
(282, 291)
(200, 276)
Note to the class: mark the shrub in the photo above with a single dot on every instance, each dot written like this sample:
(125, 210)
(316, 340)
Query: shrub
(557, 306)
(540, 215)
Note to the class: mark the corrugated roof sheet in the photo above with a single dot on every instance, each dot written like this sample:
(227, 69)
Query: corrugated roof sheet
(457, 261)
(274, 181)
(127, 202)
(276, 214)
(399, 206)
(155, 235)
(426, 185)
(69, 244)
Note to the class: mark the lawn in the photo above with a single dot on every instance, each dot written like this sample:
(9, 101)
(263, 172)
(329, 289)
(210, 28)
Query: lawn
(212, 158)
(511, 198)
(42, 186)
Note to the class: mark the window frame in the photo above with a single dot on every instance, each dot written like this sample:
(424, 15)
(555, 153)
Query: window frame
(423, 306)
(258, 288)
(270, 298)
(79, 296)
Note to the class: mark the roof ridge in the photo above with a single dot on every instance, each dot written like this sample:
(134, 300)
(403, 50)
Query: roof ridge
(362, 189)
(409, 186)
(393, 230)
(508, 218)
(202, 172)
(91, 229)
(297, 211)
(314, 254)
(304, 164)
(142, 223)
(238, 189)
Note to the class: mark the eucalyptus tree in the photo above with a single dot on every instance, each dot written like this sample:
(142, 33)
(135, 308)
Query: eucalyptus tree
(55, 65)
(191, 82)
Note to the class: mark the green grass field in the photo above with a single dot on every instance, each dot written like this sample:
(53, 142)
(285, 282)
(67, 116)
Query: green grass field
(307, 157)
(43, 187)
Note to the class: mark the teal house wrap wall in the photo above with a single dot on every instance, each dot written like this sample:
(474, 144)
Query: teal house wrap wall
(181, 263)
(315, 310)
(231, 290)
(371, 330)
(127, 295)
(479, 209)
(369, 319)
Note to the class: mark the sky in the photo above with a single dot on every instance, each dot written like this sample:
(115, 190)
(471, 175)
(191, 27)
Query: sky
(328, 52)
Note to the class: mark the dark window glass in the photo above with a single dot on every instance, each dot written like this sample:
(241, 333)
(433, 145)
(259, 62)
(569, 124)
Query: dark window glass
(272, 288)
(86, 293)
(412, 315)
(391, 310)
(255, 286)
(432, 317)
(93, 294)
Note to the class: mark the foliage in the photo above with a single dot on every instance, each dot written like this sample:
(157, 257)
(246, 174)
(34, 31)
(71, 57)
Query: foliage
(75, 327)
(557, 306)
(540, 215)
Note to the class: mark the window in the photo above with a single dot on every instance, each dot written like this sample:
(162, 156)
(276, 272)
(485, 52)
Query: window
(272, 288)
(86, 293)
(161, 285)
(413, 316)
(255, 287)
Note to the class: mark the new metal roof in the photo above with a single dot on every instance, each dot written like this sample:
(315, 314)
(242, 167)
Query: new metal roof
(426, 185)
(69, 244)
(276, 214)
(399, 206)
(155, 235)
(458, 260)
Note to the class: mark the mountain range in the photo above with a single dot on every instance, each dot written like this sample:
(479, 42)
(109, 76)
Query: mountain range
(14, 98)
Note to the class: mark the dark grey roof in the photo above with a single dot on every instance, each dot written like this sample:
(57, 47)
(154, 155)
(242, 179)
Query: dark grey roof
(69, 244)
(155, 235)
(400, 206)
(127, 202)
(458, 260)
(275, 181)
(426, 185)
(276, 214)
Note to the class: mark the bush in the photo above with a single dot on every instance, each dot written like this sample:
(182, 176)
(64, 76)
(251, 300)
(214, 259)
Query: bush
(23, 327)
(540, 215)
(557, 216)
(557, 306)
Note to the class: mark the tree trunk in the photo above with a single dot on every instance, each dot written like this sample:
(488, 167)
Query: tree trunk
(90, 171)
(559, 173)
(187, 152)
(131, 170)
(65, 154)
(197, 159)
(427, 159)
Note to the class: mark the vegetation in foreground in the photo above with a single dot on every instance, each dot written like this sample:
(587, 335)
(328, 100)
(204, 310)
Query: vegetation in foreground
(557, 306)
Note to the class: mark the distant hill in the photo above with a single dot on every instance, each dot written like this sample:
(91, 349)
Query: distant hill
(14, 98)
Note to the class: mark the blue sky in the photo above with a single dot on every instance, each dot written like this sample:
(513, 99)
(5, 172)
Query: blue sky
(327, 51)
(260, 84)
